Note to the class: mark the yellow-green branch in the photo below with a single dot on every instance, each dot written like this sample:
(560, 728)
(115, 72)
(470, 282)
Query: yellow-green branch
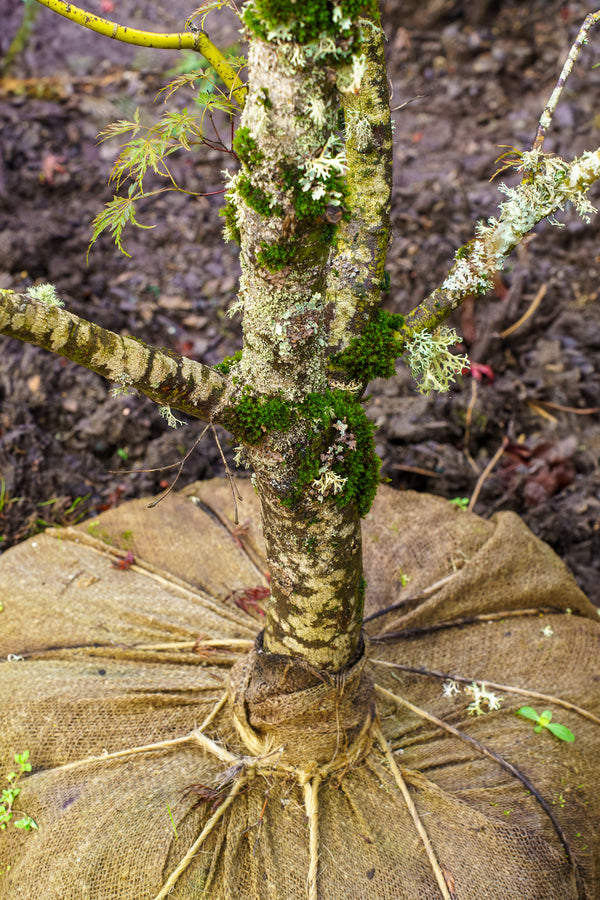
(184, 40)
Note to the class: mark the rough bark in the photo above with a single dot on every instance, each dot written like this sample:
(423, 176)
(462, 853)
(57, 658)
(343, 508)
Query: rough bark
(312, 264)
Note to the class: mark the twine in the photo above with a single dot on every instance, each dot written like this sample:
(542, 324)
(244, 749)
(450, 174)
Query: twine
(432, 858)
(311, 803)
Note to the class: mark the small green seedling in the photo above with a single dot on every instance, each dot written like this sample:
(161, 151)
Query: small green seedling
(544, 721)
(10, 794)
(461, 502)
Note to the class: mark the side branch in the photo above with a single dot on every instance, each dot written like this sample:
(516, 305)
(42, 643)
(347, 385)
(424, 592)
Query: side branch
(165, 377)
(185, 40)
(552, 183)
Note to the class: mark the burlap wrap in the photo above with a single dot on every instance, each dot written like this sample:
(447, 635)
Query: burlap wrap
(320, 722)
(99, 662)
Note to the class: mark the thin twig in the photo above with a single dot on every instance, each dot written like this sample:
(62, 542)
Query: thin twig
(426, 592)
(528, 312)
(181, 465)
(230, 477)
(536, 408)
(468, 420)
(504, 764)
(508, 688)
(457, 623)
(587, 411)
(149, 748)
(429, 473)
(432, 858)
(486, 472)
(546, 117)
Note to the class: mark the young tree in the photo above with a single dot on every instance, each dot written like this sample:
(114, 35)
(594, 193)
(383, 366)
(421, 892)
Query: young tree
(310, 207)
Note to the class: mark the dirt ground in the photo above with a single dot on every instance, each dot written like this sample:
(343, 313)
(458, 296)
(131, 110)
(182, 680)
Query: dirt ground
(468, 78)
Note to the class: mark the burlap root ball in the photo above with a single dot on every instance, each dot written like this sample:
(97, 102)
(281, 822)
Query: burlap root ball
(172, 757)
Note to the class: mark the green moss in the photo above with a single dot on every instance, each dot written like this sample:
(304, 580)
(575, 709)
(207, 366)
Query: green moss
(253, 417)
(257, 198)
(305, 205)
(229, 213)
(263, 98)
(225, 365)
(386, 282)
(304, 22)
(358, 465)
(275, 257)
(464, 252)
(246, 148)
(373, 354)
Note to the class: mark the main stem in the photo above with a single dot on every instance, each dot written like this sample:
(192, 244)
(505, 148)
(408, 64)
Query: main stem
(307, 440)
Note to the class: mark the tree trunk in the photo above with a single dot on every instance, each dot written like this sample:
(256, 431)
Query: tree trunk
(309, 282)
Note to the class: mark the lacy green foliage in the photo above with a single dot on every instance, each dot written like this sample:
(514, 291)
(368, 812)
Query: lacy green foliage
(149, 149)
(351, 461)
(373, 354)
(10, 794)
(255, 197)
(225, 365)
(246, 148)
(306, 22)
(115, 216)
(431, 364)
(545, 721)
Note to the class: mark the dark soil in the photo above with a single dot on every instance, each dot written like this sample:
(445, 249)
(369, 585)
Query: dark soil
(475, 76)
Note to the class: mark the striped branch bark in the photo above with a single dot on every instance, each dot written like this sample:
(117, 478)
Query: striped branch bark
(165, 377)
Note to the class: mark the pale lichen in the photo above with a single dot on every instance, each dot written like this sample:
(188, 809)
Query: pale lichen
(431, 363)
(358, 129)
(45, 292)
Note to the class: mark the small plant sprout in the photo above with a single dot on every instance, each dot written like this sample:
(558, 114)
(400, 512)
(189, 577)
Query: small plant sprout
(10, 794)
(450, 688)
(545, 721)
(431, 363)
(547, 631)
(482, 697)
(45, 292)
(461, 502)
(172, 421)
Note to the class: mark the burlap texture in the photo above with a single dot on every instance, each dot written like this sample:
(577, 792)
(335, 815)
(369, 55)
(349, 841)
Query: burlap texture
(98, 659)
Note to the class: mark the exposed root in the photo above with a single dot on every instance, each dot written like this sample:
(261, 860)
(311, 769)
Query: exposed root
(508, 688)
(433, 861)
(504, 764)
